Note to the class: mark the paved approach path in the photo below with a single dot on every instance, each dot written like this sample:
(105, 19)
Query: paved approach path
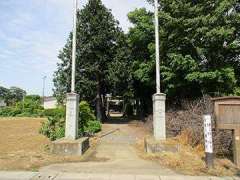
(114, 158)
(82, 176)
(114, 154)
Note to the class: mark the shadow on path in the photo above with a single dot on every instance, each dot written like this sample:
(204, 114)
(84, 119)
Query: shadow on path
(115, 152)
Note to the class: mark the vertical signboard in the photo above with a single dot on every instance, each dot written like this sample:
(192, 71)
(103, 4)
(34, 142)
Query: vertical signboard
(208, 139)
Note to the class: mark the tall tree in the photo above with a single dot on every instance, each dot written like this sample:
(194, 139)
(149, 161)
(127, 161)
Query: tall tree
(141, 40)
(199, 46)
(3, 93)
(12, 95)
(98, 42)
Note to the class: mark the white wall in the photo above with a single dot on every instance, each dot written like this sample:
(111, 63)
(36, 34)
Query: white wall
(50, 103)
(2, 103)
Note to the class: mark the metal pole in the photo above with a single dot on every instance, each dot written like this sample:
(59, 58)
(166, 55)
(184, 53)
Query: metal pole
(158, 86)
(74, 47)
(43, 90)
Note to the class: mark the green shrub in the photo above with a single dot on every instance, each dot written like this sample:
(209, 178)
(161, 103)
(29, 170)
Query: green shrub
(30, 107)
(30, 104)
(88, 123)
(54, 127)
(92, 127)
(237, 91)
(16, 112)
(4, 111)
(9, 111)
(58, 112)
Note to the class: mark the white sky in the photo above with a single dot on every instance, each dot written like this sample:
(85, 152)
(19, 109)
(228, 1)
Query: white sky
(32, 33)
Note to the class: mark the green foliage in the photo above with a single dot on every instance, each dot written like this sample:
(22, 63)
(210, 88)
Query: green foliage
(92, 127)
(3, 93)
(12, 95)
(9, 112)
(237, 91)
(102, 51)
(199, 48)
(57, 112)
(30, 106)
(54, 127)
(88, 124)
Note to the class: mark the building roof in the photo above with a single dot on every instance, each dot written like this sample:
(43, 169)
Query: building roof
(225, 98)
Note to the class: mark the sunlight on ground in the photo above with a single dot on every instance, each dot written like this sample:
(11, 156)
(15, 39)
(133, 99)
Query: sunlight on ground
(188, 160)
(23, 148)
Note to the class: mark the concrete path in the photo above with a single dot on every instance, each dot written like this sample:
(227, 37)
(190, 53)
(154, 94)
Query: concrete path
(84, 176)
(114, 154)
(115, 158)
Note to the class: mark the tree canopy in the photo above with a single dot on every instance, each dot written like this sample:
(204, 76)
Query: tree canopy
(101, 51)
(199, 52)
(12, 95)
(199, 47)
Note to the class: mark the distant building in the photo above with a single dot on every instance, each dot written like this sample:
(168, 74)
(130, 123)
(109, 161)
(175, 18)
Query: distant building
(2, 103)
(50, 103)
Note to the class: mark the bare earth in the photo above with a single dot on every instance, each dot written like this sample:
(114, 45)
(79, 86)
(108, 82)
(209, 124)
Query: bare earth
(23, 148)
(112, 151)
(118, 149)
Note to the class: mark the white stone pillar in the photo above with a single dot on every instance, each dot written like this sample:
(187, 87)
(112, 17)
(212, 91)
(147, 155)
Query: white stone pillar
(159, 121)
(72, 113)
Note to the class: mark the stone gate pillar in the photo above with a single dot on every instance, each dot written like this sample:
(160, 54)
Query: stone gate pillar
(72, 113)
(159, 119)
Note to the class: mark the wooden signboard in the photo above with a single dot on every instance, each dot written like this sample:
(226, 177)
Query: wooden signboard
(227, 115)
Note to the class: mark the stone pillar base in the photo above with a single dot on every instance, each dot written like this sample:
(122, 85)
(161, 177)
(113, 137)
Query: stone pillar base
(158, 146)
(72, 112)
(70, 147)
(159, 122)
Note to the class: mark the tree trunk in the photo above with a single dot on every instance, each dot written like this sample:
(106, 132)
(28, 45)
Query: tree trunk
(103, 108)
(98, 99)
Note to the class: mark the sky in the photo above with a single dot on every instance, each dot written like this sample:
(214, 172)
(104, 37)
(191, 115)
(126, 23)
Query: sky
(33, 31)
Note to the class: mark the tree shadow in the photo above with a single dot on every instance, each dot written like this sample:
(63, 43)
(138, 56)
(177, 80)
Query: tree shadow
(118, 118)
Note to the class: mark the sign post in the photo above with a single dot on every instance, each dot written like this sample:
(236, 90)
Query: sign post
(227, 114)
(208, 140)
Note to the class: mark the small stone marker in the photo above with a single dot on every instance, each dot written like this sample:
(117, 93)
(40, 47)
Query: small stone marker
(227, 114)
(208, 140)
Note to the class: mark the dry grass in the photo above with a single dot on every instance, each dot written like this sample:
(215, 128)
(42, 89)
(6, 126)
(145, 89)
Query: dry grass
(23, 148)
(188, 117)
(189, 160)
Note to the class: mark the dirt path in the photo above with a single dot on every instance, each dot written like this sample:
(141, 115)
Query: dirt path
(114, 153)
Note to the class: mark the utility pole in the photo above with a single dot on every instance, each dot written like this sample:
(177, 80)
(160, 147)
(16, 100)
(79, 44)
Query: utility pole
(159, 99)
(43, 89)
